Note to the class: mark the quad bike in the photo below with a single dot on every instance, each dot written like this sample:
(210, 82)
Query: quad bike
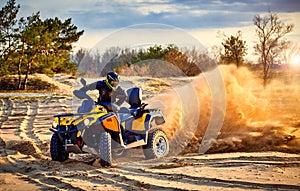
(105, 132)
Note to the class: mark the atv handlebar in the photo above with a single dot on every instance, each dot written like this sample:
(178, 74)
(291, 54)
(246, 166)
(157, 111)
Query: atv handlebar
(140, 111)
(143, 105)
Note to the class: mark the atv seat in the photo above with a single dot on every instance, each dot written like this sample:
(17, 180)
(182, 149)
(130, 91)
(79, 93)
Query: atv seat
(134, 97)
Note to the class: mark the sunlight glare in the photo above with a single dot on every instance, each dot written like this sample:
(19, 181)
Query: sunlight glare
(295, 60)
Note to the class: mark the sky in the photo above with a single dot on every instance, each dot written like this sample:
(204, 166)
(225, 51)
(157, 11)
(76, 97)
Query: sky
(202, 19)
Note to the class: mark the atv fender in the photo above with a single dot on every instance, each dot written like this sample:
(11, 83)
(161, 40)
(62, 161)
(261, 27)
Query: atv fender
(157, 117)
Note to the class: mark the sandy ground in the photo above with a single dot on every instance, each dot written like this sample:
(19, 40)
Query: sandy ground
(25, 162)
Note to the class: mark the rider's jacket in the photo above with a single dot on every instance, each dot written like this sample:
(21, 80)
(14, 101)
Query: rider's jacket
(107, 96)
(105, 93)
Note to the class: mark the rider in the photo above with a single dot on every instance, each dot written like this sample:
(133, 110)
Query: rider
(109, 91)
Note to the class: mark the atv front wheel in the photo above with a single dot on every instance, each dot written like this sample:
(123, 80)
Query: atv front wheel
(157, 146)
(57, 151)
(105, 149)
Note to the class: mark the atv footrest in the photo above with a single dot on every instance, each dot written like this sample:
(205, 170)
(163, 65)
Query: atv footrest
(73, 148)
(136, 144)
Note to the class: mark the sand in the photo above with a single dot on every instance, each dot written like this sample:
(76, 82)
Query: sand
(252, 152)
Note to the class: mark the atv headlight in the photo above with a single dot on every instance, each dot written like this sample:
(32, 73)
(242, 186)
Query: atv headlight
(86, 122)
(54, 124)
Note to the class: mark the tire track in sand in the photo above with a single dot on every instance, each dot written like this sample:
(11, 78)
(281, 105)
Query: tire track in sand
(47, 108)
(5, 111)
(34, 172)
(13, 115)
(152, 181)
(69, 175)
(27, 129)
(158, 174)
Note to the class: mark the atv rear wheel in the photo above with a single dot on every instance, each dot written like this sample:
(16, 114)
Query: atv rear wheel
(57, 151)
(157, 145)
(105, 149)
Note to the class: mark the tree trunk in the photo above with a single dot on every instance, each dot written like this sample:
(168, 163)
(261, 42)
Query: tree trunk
(19, 70)
(27, 72)
(266, 74)
(237, 62)
(28, 69)
(19, 74)
(26, 75)
(265, 82)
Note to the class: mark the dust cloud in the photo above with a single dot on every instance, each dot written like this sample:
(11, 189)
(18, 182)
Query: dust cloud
(255, 118)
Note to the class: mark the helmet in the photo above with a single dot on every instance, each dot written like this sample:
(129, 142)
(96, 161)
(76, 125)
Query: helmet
(112, 80)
